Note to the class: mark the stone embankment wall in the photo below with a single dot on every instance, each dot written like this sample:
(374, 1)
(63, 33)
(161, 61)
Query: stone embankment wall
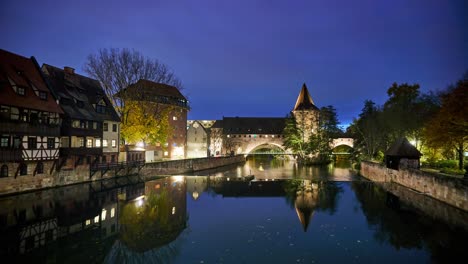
(11, 184)
(450, 190)
(188, 165)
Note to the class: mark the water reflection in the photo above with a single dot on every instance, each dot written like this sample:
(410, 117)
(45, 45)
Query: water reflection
(408, 220)
(151, 223)
(123, 220)
(233, 219)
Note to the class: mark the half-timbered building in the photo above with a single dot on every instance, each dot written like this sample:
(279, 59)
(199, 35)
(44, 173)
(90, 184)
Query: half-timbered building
(90, 129)
(30, 119)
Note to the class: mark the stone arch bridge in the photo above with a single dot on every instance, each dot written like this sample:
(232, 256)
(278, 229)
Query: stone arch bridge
(246, 135)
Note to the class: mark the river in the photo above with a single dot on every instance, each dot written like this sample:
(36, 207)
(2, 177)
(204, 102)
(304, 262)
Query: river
(286, 214)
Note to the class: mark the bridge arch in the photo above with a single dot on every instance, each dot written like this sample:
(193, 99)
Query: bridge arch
(269, 145)
(342, 141)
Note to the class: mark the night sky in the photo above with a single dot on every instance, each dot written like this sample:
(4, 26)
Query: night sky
(250, 58)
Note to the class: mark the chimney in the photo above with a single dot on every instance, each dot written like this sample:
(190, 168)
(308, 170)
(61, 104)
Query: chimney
(69, 70)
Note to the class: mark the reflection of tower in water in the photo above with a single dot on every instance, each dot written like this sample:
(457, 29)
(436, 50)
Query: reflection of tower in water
(196, 185)
(306, 201)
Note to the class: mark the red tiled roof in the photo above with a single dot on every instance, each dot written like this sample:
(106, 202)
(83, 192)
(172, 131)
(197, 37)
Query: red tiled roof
(24, 72)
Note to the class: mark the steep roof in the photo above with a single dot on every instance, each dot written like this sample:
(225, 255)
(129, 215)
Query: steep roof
(252, 125)
(24, 72)
(304, 100)
(154, 92)
(304, 205)
(403, 148)
(78, 95)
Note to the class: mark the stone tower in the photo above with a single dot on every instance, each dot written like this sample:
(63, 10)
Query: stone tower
(306, 113)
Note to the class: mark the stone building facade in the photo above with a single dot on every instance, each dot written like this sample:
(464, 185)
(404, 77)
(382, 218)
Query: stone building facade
(198, 135)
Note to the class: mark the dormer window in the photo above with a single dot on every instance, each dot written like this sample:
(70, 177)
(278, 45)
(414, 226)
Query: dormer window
(101, 107)
(43, 95)
(21, 90)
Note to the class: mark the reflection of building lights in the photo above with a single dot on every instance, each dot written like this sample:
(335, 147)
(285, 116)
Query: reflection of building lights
(103, 214)
(195, 195)
(139, 201)
(173, 210)
(178, 178)
(112, 212)
(260, 168)
(157, 186)
(228, 179)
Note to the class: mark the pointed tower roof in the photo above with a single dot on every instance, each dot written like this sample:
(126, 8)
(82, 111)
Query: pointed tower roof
(304, 100)
(305, 205)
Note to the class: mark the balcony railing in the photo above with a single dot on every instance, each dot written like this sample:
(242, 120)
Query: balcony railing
(12, 127)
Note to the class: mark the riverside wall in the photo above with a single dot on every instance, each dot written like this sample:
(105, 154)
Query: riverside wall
(453, 191)
(188, 165)
(81, 174)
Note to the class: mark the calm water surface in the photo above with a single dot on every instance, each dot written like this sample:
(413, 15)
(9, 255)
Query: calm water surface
(286, 214)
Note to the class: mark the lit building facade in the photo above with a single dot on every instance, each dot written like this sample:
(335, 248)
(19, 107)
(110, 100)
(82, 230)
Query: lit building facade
(164, 98)
(198, 135)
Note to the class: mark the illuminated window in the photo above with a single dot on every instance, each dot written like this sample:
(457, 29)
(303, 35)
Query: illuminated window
(96, 219)
(98, 143)
(88, 222)
(112, 214)
(174, 118)
(104, 142)
(103, 214)
(89, 143)
(166, 153)
(173, 210)
(80, 142)
(114, 144)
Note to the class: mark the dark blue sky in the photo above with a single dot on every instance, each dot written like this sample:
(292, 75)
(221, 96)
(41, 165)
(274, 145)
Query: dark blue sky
(250, 58)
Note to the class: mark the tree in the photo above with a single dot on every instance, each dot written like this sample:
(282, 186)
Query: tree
(319, 142)
(146, 122)
(449, 127)
(117, 69)
(293, 138)
(367, 130)
(399, 111)
(328, 122)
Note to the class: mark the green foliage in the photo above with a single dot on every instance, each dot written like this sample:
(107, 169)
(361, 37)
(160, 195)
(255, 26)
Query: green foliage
(449, 126)
(145, 121)
(441, 164)
(293, 138)
(452, 171)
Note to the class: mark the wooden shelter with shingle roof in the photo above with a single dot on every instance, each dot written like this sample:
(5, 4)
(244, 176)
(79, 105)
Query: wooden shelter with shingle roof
(402, 155)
